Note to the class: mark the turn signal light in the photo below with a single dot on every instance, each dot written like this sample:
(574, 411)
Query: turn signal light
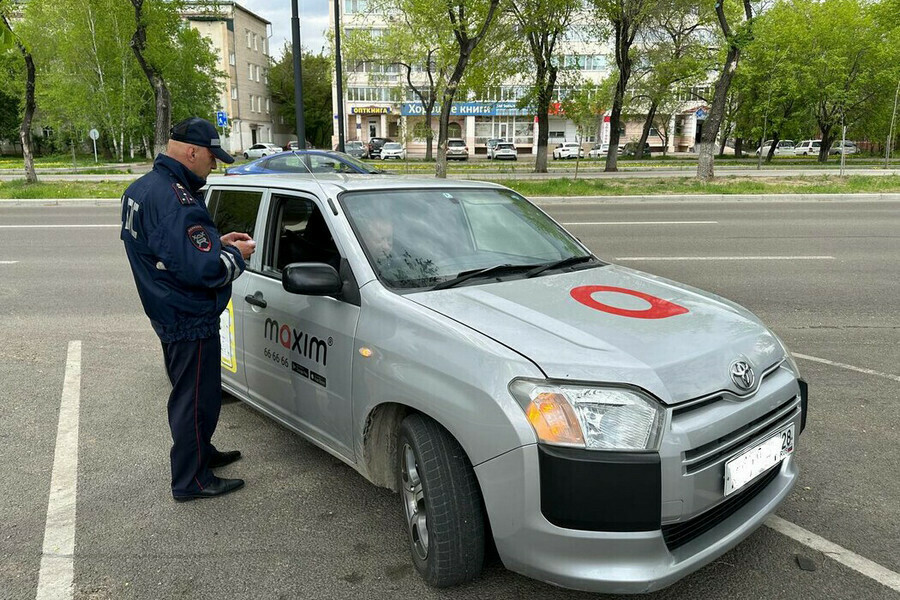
(554, 421)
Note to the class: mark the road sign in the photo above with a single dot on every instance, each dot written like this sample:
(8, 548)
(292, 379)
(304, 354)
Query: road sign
(221, 118)
(701, 114)
(94, 135)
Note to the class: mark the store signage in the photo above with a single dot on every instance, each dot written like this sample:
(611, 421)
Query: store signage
(370, 110)
(466, 109)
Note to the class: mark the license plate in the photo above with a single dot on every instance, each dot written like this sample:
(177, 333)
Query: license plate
(746, 466)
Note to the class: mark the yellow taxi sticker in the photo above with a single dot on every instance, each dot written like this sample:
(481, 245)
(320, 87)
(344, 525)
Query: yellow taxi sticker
(226, 335)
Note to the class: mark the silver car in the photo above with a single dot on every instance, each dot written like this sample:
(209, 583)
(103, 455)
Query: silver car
(612, 430)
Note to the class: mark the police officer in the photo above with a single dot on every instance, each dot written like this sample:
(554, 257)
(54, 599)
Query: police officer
(183, 269)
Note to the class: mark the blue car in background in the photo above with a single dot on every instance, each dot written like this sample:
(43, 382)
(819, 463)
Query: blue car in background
(304, 161)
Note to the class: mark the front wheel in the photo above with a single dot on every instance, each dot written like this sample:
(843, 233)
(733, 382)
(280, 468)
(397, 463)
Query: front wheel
(246, 155)
(441, 500)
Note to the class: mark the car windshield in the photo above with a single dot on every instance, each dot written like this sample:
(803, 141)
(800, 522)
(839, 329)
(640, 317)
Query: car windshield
(392, 146)
(419, 238)
(505, 147)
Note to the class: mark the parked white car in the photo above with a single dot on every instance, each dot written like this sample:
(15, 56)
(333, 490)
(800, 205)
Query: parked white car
(568, 150)
(849, 148)
(783, 147)
(260, 150)
(393, 150)
(598, 150)
(807, 147)
(503, 150)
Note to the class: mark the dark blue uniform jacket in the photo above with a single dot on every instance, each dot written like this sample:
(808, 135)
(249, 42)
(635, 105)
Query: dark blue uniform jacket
(182, 271)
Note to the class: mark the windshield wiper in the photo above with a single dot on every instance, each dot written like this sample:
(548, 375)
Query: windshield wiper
(467, 275)
(559, 264)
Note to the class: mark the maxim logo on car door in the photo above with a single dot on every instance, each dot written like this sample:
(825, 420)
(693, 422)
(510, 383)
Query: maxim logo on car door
(306, 345)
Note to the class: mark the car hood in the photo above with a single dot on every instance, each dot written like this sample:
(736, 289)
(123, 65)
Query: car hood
(677, 357)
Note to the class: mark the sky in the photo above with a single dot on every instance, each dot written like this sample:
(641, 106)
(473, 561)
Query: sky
(313, 22)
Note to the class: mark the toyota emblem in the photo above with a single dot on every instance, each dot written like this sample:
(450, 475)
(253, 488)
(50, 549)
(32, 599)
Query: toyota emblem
(742, 374)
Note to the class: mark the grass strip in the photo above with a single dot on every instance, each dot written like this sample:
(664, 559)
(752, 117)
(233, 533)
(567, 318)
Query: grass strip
(818, 184)
(18, 189)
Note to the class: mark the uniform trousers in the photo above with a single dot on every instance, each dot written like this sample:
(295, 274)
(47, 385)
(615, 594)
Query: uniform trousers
(195, 402)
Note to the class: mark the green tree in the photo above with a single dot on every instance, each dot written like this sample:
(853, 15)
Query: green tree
(627, 18)
(9, 39)
(674, 56)
(735, 19)
(317, 98)
(542, 23)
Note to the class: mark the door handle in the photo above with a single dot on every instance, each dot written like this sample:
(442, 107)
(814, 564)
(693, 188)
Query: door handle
(256, 300)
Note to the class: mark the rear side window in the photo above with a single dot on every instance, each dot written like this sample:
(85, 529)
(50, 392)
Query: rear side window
(234, 210)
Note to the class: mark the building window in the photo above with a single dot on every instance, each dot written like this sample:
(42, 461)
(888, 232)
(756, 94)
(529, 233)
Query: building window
(355, 6)
(250, 71)
(231, 60)
(255, 42)
(266, 76)
(234, 93)
(257, 72)
(249, 39)
(267, 106)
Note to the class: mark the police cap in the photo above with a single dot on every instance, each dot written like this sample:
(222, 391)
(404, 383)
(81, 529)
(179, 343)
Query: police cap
(200, 132)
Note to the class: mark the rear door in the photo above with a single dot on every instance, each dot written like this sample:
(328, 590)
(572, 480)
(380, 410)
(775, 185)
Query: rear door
(299, 349)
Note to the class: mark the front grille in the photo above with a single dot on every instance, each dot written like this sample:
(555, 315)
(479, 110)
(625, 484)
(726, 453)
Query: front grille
(679, 534)
(712, 452)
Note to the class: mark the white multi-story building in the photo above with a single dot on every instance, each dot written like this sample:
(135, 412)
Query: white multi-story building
(377, 103)
(240, 40)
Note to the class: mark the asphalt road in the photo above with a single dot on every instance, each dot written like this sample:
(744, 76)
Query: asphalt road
(307, 526)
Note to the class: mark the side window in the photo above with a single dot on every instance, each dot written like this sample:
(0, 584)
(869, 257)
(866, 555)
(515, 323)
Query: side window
(234, 210)
(300, 234)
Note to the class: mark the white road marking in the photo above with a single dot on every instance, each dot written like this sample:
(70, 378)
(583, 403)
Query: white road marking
(724, 258)
(70, 226)
(8, 262)
(849, 367)
(870, 569)
(646, 223)
(56, 577)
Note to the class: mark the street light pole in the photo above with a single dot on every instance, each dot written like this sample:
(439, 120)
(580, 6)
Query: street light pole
(298, 79)
(339, 73)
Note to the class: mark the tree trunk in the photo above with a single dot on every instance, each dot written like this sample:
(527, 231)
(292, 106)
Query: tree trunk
(645, 132)
(724, 141)
(771, 152)
(710, 131)
(827, 139)
(28, 117)
(706, 158)
(739, 147)
(623, 61)
(429, 137)
(543, 117)
(154, 77)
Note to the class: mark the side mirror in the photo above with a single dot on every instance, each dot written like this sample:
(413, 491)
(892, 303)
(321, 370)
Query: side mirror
(311, 279)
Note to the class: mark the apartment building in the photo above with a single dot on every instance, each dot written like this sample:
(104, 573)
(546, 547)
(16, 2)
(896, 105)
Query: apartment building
(240, 40)
(377, 102)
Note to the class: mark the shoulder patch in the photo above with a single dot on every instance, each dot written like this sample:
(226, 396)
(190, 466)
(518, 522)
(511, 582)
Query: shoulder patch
(199, 238)
(184, 196)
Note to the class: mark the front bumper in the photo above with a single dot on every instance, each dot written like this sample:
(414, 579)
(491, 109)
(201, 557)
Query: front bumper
(605, 561)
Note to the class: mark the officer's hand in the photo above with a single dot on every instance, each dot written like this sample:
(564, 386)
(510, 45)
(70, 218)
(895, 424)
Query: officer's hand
(247, 247)
(230, 238)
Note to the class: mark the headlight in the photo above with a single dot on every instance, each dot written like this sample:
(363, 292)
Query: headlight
(788, 357)
(596, 418)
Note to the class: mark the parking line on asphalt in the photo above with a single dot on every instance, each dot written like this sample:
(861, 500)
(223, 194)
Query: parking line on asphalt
(8, 262)
(862, 565)
(849, 367)
(56, 577)
(656, 258)
(646, 223)
(68, 226)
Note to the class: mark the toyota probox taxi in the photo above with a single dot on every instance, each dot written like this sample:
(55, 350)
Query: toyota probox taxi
(612, 430)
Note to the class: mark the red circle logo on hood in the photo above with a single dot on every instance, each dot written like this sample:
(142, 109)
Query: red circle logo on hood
(659, 308)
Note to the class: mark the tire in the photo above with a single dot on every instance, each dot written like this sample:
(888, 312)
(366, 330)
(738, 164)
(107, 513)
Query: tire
(246, 155)
(440, 503)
